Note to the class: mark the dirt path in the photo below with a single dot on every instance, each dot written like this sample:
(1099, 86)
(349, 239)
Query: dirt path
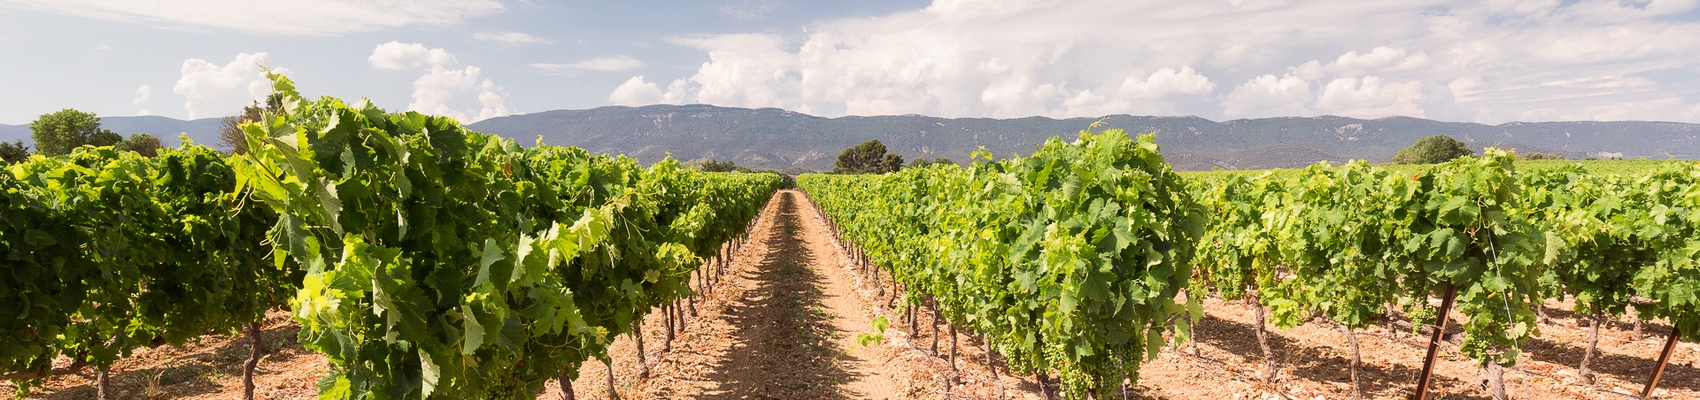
(782, 325)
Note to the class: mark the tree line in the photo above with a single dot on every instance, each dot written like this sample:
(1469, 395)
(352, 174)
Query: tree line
(872, 157)
(59, 132)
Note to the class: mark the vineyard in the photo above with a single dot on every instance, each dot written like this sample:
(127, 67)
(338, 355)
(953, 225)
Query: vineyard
(1090, 257)
(424, 260)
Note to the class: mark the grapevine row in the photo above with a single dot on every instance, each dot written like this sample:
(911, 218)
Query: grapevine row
(1352, 243)
(1069, 260)
(109, 251)
(1621, 243)
(997, 251)
(423, 259)
(1344, 243)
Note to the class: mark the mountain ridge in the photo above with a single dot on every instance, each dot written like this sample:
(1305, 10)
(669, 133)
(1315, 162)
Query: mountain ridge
(779, 139)
(773, 138)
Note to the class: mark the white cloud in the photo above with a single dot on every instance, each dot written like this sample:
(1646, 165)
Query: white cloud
(143, 94)
(1139, 94)
(509, 38)
(1489, 61)
(615, 63)
(1166, 82)
(215, 91)
(397, 55)
(433, 92)
(745, 70)
(1371, 97)
(443, 90)
(295, 17)
(637, 92)
(968, 59)
(1379, 59)
(102, 48)
(1268, 95)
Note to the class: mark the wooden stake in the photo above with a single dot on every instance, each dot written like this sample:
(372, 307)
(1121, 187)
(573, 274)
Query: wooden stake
(1426, 375)
(1664, 358)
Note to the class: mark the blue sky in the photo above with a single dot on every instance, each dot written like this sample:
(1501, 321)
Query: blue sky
(1488, 61)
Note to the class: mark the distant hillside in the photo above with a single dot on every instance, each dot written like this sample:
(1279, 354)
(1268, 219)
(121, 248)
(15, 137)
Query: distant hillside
(779, 139)
(203, 131)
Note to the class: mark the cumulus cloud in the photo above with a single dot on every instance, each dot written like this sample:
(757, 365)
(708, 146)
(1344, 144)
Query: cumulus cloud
(1381, 58)
(509, 38)
(1167, 82)
(214, 91)
(1484, 61)
(1267, 95)
(397, 55)
(296, 17)
(1371, 97)
(1139, 94)
(143, 94)
(637, 92)
(433, 91)
(443, 89)
(615, 63)
(745, 70)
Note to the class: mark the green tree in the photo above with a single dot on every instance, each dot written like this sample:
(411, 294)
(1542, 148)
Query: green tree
(721, 166)
(58, 132)
(1539, 156)
(892, 163)
(922, 162)
(145, 144)
(230, 134)
(1432, 150)
(870, 157)
(14, 152)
